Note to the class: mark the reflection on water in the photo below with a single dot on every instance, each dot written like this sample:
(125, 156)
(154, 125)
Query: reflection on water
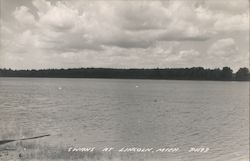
(130, 113)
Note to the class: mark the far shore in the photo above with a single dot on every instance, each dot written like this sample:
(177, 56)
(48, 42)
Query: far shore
(194, 73)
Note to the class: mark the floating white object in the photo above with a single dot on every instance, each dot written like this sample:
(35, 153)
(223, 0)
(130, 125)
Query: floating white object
(136, 86)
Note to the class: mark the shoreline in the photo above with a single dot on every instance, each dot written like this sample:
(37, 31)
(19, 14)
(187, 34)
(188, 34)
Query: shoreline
(194, 73)
(202, 80)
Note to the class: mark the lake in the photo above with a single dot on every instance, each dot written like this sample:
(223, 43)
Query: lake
(125, 113)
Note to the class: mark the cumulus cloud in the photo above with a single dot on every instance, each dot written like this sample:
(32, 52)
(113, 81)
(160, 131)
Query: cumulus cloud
(225, 52)
(23, 16)
(228, 7)
(56, 18)
(124, 33)
(224, 48)
(189, 53)
(132, 24)
(232, 23)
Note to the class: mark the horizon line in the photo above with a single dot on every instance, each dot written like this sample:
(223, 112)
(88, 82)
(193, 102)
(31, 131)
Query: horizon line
(124, 68)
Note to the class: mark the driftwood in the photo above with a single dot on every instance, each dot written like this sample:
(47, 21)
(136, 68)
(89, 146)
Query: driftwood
(8, 141)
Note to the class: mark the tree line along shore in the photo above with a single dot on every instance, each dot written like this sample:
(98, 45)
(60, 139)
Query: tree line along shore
(194, 73)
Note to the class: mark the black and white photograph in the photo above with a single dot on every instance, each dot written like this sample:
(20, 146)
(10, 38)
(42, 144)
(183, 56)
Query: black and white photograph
(124, 80)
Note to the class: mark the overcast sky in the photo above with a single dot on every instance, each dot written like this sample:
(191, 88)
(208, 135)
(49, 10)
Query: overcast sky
(124, 34)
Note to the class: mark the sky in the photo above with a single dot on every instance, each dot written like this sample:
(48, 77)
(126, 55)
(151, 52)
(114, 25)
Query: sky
(41, 34)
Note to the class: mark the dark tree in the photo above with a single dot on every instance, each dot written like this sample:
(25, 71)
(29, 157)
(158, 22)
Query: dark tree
(242, 74)
(195, 73)
(227, 73)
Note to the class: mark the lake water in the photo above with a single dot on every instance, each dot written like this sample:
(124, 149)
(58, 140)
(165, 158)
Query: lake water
(129, 113)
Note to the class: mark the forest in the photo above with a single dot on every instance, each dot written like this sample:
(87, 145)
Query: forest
(194, 73)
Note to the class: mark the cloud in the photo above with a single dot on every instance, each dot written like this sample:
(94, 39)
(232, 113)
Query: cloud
(228, 7)
(232, 23)
(23, 16)
(132, 24)
(190, 54)
(57, 18)
(136, 24)
(225, 52)
(42, 5)
(125, 33)
(223, 48)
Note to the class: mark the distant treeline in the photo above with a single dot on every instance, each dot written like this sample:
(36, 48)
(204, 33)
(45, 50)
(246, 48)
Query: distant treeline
(195, 73)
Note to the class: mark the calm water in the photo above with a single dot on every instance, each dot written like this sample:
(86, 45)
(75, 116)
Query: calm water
(130, 113)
